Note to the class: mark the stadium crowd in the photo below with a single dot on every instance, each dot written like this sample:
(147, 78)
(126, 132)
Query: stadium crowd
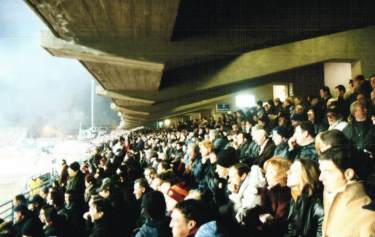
(303, 167)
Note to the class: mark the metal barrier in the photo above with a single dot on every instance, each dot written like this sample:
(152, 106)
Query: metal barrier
(6, 209)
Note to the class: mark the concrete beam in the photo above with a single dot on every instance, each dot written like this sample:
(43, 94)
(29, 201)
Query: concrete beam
(114, 95)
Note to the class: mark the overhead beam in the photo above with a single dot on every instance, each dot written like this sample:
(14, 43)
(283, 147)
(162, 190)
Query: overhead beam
(114, 95)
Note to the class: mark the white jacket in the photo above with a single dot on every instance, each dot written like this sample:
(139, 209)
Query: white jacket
(248, 195)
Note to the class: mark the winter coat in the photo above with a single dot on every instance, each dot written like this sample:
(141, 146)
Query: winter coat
(345, 216)
(305, 217)
(155, 228)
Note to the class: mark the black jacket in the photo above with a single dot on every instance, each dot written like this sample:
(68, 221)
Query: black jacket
(266, 154)
(305, 216)
(362, 134)
(100, 229)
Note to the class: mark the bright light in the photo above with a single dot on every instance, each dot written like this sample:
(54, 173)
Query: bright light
(161, 124)
(167, 122)
(113, 106)
(245, 101)
(119, 114)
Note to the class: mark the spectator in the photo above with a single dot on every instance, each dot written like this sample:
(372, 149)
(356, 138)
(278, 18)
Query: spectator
(302, 145)
(266, 147)
(280, 137)
(344, 196)
(275, 198)
(187, 217)
(26, 224)
(305, 217)
(154, 209)
(360, 130)
(243, 185)
(335, 119)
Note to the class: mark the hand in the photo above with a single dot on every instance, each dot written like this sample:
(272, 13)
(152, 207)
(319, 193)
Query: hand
(292, 142)
(86, 216)
(264, 218)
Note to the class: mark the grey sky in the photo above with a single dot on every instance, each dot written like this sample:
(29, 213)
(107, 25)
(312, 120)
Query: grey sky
(37, 89)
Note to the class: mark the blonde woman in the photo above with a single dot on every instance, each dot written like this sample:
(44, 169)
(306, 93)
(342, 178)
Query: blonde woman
(305, 216)
(275, 198)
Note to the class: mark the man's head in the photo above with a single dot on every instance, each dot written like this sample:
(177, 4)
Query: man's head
(336, 168)
(225, 159)
(340, 91)
(98, 209)
(153, 205)
(187, 216)
(140, 187)
(73, 169)
(260, 136)
(358, 111)
(304, 133)
(331, 138)
(20, 212)
(236, 175)
(280, 135)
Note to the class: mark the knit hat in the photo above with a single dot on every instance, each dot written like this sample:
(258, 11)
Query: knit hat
(227, 157)
(74, 166)
(178, 192)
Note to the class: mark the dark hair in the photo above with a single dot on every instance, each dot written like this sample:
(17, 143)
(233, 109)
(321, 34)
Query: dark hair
(101, 205)
(242, 168)
(335, 138)
(165, 165)
(21, 199)
(143, 183)
(193, 210)
(153, 205)
(89, 178)
(326, 89)
(307, 126)
(359, 78)
(342, 158)
(57, 199)
(341, 88)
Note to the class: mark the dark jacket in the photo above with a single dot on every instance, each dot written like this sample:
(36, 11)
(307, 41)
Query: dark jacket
(305, 218)
(266, 154)
(275, 201)
(282, 150)
(155, 228)
(307, 152)
(29, 226)
(100, 229)
(362, 134)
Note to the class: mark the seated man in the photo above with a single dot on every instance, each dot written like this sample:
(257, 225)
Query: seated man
(244, 185)
(302, 144)
(187, 217)
(344, 196)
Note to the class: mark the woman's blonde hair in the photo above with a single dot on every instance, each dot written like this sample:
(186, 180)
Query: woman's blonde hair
(309, 178)
(282, 165)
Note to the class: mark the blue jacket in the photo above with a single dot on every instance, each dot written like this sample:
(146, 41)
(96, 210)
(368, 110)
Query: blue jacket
(155, 228)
